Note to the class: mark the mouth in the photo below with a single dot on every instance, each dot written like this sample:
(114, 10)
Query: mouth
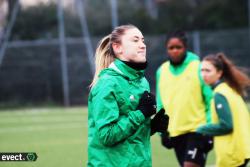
(141, 52)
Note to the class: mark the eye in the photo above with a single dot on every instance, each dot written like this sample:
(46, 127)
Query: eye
(205, 70)
(178, 47)
(135, 40)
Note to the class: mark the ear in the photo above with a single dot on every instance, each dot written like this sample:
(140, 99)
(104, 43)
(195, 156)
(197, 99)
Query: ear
(117, 48)
(220, 73)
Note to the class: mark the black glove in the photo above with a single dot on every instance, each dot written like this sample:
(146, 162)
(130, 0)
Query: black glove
(160, 122)
(147, 104)
(166, 140)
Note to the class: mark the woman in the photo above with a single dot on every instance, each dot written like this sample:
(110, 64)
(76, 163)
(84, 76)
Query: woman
(231, 119)
(182, 92)
(119, 104)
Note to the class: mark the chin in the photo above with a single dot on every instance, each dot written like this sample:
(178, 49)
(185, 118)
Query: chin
(142, 61)
(208, 83)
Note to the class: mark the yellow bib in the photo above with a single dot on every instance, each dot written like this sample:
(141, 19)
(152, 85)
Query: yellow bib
(231, 150)
(182, 99)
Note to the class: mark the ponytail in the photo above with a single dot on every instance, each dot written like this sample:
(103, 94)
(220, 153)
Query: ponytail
(103, 57)
(235, 77)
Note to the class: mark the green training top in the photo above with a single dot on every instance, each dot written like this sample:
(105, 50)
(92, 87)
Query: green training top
(118, 133)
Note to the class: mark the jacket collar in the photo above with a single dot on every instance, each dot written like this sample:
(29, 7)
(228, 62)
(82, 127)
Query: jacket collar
(127, 71)
(181, 67)
(216, 84)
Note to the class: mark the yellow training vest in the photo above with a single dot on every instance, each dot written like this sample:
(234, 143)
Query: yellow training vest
(231, 150)
(181, 96)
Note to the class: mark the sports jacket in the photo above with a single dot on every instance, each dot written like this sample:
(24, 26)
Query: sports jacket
(118, 133)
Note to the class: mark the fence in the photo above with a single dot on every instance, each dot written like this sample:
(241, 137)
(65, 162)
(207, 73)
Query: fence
(31, 70)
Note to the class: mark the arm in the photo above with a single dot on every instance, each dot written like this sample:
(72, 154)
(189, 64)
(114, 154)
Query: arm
(225, 125)
(112, 127)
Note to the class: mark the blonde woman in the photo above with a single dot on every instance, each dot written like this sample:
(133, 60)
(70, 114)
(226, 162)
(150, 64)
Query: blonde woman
(120, 105)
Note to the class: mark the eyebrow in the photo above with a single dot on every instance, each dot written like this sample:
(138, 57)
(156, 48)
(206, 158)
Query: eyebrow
(137, 37)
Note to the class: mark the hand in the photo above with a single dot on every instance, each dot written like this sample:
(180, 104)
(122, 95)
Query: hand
(166, 140)
(147, 104)
(160, 122)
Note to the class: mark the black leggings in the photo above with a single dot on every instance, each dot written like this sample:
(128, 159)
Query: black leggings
(245, 163)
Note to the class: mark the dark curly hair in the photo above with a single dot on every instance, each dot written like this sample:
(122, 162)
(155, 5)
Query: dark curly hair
(180, 34)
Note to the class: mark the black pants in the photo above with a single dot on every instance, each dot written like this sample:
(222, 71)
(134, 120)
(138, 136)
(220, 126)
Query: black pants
(245, 163)
(192, 147)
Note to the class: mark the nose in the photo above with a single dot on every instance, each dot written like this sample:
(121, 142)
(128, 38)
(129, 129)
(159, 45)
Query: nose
(203, 74)
(142, 45)
(175, 50)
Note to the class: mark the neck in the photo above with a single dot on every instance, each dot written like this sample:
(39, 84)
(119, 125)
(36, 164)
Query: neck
(216, 83)
(179, 62)
(136, 66)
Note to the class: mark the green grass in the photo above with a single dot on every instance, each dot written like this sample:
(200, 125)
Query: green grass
(59, 137)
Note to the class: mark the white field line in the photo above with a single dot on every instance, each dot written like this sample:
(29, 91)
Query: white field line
(44, 127)
(41, 111)
(38, 119)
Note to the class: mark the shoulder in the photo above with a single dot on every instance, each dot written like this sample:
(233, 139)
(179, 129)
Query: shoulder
(192, 56)
(163, 65)
(223, 88)
(193, 59)
(105, 83)
(219, 96)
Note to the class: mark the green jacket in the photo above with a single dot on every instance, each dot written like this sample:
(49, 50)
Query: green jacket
(118, 134)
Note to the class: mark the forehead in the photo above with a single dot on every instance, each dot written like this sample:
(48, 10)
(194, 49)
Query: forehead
(133, 32)
(174, 41)
(207, 64)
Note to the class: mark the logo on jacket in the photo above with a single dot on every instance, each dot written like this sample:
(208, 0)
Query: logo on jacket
(219, 106)
(131, 97)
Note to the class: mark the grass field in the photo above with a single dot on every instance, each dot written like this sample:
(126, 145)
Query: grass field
(59, 137)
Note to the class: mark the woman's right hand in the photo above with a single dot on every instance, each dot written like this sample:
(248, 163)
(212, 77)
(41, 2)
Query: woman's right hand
(166, 140)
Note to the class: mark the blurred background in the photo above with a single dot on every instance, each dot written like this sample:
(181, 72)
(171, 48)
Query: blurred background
(47, 46)
(46, 64)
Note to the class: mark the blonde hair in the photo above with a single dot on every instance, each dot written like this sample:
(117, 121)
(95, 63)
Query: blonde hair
(104, 54)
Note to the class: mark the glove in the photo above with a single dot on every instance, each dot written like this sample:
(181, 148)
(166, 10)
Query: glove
(166, 140)
(147, 104)
(160, 122)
